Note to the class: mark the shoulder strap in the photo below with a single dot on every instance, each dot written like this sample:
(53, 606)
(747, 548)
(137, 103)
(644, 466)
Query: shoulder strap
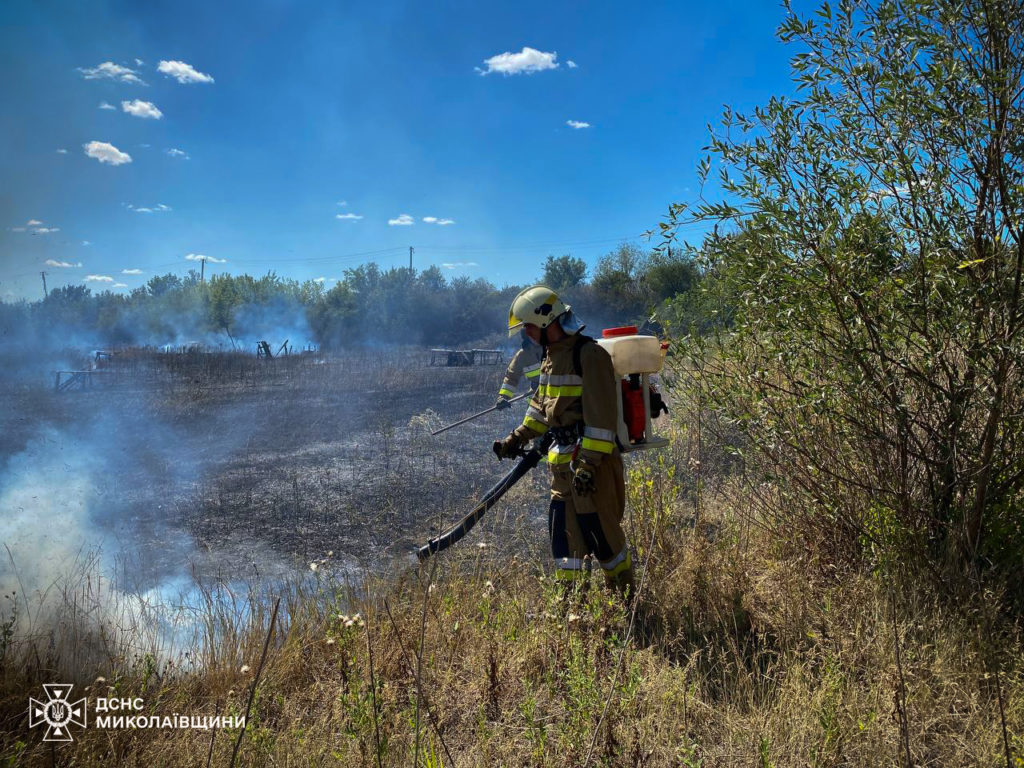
(577, 366)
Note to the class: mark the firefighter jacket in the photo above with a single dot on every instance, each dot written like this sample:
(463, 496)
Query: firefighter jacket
(525, 362)
(577, 394)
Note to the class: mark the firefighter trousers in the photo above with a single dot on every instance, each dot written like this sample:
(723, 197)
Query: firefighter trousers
(590, 525)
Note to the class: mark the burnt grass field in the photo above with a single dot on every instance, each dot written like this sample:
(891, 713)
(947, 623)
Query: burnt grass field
(263, 466)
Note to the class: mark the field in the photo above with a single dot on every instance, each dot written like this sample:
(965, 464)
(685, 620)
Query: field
(172, 470)
(293, 453)
(231, 536)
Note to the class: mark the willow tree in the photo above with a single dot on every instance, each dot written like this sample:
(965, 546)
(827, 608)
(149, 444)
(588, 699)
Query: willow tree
(868, 247)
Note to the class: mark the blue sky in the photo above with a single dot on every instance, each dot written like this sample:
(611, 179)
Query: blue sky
(252, 127)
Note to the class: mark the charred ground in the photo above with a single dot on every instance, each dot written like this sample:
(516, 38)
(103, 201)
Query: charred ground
(256, 460)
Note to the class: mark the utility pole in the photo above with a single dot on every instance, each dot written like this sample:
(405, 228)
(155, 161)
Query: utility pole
(45, 294)
(410, 259)
(202, 270)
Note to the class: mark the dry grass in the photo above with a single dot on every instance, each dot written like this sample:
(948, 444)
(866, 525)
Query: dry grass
(747, 648)
(745, 651)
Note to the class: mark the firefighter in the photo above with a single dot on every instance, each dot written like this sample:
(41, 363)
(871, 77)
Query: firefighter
(526, 362)
(577, 402)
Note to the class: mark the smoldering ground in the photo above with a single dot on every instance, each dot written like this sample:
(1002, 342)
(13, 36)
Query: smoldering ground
(199, 470)
(84, 519)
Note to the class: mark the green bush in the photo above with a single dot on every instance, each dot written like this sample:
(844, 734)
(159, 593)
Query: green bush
(873, 270)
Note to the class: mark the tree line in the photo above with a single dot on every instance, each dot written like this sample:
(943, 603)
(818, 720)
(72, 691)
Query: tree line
(368, 305)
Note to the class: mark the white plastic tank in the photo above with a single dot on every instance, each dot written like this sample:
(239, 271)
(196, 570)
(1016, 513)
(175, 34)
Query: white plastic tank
(630, 352)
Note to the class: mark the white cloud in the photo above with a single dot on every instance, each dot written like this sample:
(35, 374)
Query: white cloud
(108, 70)
(201, 257)
(36, 227)
(86, 242)
(319, 280)
(99, 279)
(131, 271)
(182, 72)
(571, 64)
(158, 208)
(527, 61)
(343, 203)
(459, 264)
(61, 264)
(62, 151)
(106, 153)
(177, 153)
(439, 222)
(403, 220)
(139, 62)
(139, 108)
(577, 124)
(119, 285)
(107, 105)
(900, 191)
(348, 216)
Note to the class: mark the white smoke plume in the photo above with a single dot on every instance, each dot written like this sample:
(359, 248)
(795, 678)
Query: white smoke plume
(93, 557)
(65, 548)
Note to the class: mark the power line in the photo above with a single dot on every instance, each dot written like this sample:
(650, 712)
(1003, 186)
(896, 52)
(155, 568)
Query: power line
(306, 260)
(343, 258)
(440, 250)
(530, 247)
(539, 246)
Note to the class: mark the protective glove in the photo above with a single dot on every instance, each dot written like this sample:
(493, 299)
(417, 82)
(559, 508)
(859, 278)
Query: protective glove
(502, 403)
(508, 448)
(583, 478)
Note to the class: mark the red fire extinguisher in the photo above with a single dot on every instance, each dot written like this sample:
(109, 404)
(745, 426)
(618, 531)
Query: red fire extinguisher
(633, 408)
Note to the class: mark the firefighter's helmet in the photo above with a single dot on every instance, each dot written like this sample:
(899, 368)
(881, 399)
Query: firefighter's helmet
(537, 305)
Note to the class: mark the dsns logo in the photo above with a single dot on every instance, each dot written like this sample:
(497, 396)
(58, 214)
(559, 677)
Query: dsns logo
(57, 712)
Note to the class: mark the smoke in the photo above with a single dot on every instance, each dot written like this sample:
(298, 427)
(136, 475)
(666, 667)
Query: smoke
(44, 513)
(95, 554)
(34, 337)
(125, 504)
(276, 322)
(65, 543)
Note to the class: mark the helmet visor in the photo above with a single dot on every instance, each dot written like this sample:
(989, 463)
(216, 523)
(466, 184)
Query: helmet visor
(515, 325)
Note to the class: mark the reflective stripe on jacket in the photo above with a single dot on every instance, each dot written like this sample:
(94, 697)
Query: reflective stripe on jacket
(525, 362)
(564, 398)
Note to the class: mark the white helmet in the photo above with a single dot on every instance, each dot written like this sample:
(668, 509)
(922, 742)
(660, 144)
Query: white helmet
(537, 305)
